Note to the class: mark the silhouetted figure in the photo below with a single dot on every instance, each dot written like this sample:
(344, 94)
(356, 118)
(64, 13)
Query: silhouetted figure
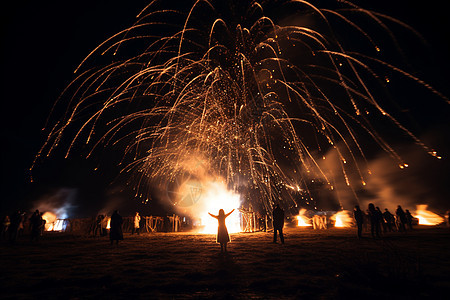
(388, 220)
(42, 224)
(115, 232)
(136, 223)
(374, 221)
(366, 220)
(222, 233)
(14, 226)
(98, 225)
(5, 226)
(359, 218)
(35, 224)
(380, 220)
(447, 215)
(278, 223)
(409, 219)
(401, 219)
(21, 224)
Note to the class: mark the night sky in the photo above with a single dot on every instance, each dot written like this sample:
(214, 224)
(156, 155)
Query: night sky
(44, 41)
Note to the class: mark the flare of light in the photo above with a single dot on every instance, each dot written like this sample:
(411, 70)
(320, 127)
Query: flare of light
(303, 220)
(216, 196)
(427, 217)
(52, 223)
(342, 218)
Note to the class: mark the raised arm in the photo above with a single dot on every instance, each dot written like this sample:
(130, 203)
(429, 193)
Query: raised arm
(229, 213)
(213, 215)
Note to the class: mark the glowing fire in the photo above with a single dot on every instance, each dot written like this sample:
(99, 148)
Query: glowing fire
(427, 217)
(108, 224)
(52, 223)
(303, 220)
(342, 219)
(212, 197)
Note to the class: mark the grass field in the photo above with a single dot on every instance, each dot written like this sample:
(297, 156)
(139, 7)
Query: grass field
(327, 264)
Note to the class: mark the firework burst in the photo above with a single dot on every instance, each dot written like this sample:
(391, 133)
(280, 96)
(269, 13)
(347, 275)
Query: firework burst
(248, 94)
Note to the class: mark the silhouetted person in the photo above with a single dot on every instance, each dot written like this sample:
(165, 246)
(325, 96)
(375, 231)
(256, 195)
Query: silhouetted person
(5, 226)
(42, 224)
(374, 221)
(447, 214)
(278, 223)
(409, 219)
(366, 221)
(222, 233)
(401, 219)
(115, 232)
(35, 224)
(98, 225)
(21, 224)
(359, 218)
(14, 226)
(136, 223)
(388, 219)
(380, 220)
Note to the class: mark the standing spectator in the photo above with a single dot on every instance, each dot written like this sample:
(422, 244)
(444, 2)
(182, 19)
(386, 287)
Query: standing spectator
(116, 233)
(98, 225)
(389, 220)
(14, 226)
(5, 226)
(400, 218)
(380, 224)
(374, 221)
(222, 232)
(359, 218)
(42, 223)
(409, 219)
(136, 224)
(278, 223)
(21, 224)
(35, 224)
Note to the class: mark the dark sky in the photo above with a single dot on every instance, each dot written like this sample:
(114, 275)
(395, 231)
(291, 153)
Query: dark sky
(43, 41)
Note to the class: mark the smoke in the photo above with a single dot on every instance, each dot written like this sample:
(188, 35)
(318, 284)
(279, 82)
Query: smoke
(386, 184)
(60, 202)
(116, 199)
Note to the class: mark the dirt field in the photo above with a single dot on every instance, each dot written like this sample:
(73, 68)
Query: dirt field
(330, 264)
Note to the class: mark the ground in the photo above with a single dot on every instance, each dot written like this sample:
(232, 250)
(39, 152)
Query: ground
(327, 264)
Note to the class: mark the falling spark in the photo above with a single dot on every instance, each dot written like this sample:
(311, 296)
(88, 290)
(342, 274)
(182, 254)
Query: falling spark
(241, 92)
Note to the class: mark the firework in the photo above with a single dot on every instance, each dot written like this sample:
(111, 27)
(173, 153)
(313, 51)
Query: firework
(245, 94)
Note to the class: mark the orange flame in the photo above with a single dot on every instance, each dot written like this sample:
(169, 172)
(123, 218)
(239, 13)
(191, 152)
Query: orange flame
(303, 220)
(52, 223)
(342, 219)
(427, 217)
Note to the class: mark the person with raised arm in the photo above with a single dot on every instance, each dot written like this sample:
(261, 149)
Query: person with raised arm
(222, 233)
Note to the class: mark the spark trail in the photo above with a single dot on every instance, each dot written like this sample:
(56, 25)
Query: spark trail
(248, 94)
